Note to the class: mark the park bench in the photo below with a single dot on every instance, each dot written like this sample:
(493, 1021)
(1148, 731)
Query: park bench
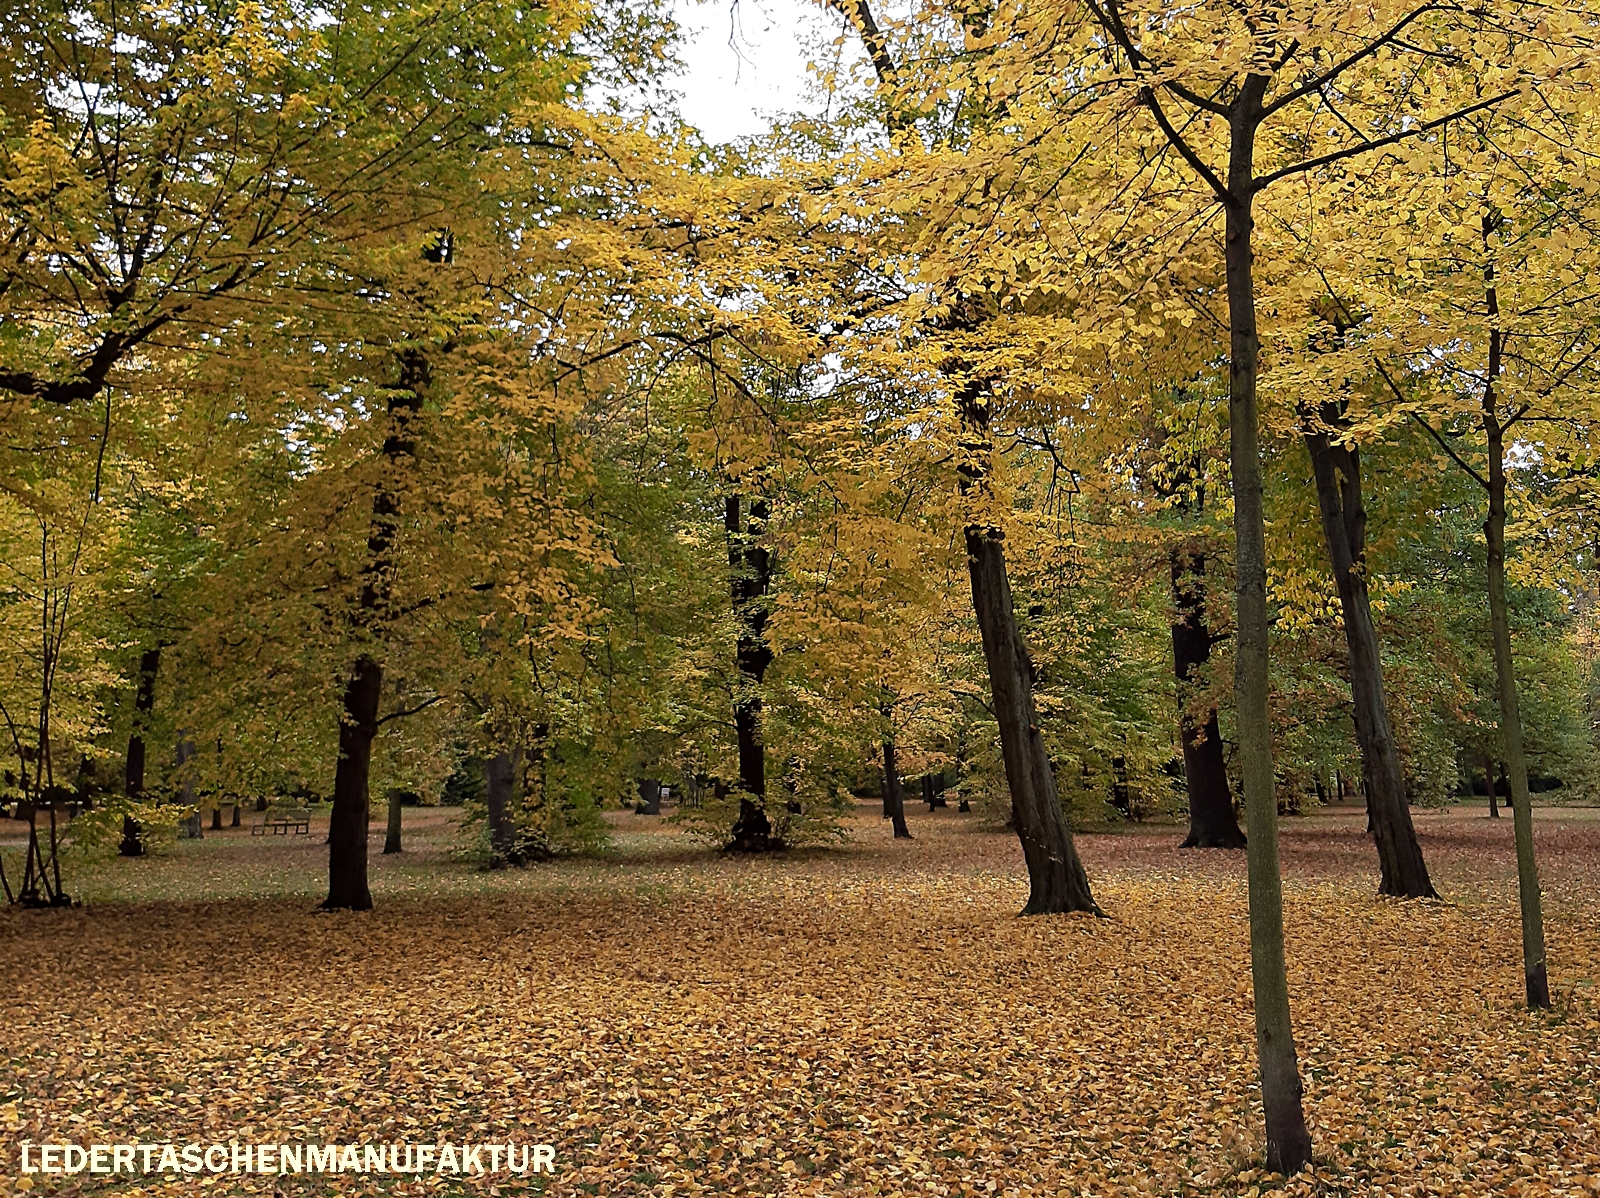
(282, 821)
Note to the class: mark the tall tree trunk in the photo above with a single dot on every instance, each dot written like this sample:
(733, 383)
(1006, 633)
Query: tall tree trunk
(1056, 879)
(750, 571)
(1337, 471)
(499, 779)
(1535, 974)
(1212, 824)
(363, 689)
(894, 798)
(1288, 1141)
(133, 776)
(394, 828)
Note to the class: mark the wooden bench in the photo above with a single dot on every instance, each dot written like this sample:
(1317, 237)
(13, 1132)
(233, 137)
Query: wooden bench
(282, 821)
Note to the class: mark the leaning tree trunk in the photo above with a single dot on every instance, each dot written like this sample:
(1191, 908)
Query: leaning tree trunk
(1288, 1141)
(750, 571)
(894, 795)
(363, 689)
(1337, 470)
(144, 702)
(1212, 824)
(395, 827)
(1056, 879)
(1535, 976)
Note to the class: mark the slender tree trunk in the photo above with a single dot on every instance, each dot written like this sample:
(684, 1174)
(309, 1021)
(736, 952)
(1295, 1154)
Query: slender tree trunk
(1489, 782)
(393, 841)
(1056, 878)
(1212, 824)
(363, 689)
(133, 777)
(750, 569)
(190, 829)
(1288, 1141)
(894, 798)
(1535, 975)
(234, 822)
(1337, 471)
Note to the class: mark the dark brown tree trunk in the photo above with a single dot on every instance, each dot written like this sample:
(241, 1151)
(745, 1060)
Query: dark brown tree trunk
(1212, 823)
(394, 828)
(216, 817)
(499, 774)
(351, 816)
(1489, 783)
(261, 802)
(234, 822)
(1337, 470)
(750, 570)
(649, 797)
(363, 690)
(133, 776)
(1288, 1140)
(930, 793)
(1056, 879)
(894, 798)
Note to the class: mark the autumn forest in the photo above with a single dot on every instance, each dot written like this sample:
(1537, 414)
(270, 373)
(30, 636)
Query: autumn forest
(1036, 633)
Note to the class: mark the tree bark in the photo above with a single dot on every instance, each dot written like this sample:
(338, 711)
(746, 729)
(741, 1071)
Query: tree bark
(190, 828)
(1337, 471)
(216, 817)
(1056, 878)
(750, 573)
(1288, 1141)
(499, 775)
(1535, 975)
(234, 822)
(392, 833)
(649, 797)
(1212, 823)
(351, 816)
(133, 776)
(363, 690)
(894, 798)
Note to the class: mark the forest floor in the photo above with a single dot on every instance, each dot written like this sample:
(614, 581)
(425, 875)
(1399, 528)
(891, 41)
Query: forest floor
(871, 1019)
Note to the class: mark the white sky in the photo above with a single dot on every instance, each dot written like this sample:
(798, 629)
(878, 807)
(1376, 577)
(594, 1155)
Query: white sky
(733, 90)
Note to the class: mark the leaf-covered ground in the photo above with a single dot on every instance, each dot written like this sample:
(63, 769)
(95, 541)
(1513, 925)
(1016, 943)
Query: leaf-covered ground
(871, 1020)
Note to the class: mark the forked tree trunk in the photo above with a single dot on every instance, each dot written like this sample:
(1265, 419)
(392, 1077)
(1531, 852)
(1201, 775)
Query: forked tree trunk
(395, 827)
(363, 689)
(750, 571)
(1337, 471)
(499, 788)
(1212, 824)
(1535, 974)
(894, 797)
(1288, 1141)
(133, 776)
